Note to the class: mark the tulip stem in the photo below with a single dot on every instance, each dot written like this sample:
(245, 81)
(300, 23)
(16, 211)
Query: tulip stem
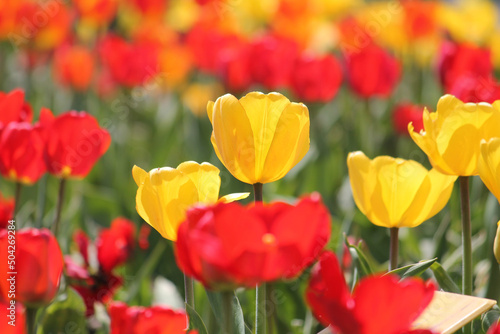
(227, 306)
(393, 253)
(260, 309)
(60, 200)
(31, 320)
(17, 198)
(466, 241)
(260, 291)
(257, 192)
(189, 290)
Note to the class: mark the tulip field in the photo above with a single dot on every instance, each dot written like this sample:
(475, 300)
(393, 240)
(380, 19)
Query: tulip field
(249, 167)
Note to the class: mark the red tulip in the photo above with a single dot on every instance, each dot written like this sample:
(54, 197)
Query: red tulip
(38, 264)
(98, 12)
(6, 211)
(74, 66)
(372, 71)
(472, 88)
(405, 113)
(137, 320)
(150, 9)
(273, 60)
(207, 44)
(234, 68)
(379, 304)
(229, 245)
(115, 245)
(316, 78)
(74, 143)
(14, 108)
(13, 317)
(460, 60)
(129, 64)
(21, 152)
(495, 329)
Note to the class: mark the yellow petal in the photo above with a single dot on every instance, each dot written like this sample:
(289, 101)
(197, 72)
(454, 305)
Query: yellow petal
(233, 138)
(264, 112)
(362, 181)
(210, 110)
(430, 198)
(139, 175)
(233, 197)
(206, 179)
(290, 143)
(496, 245)
(489, 165)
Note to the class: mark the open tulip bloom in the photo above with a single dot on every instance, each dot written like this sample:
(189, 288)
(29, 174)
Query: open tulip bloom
(165, 194)
(378, 305)
(229, 245)
(259, 137)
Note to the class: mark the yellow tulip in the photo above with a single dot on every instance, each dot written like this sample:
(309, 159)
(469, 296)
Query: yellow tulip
(260, 137)
(393, 192)
(165, 194)
(489, 165)
(452, 135)
(496, 245)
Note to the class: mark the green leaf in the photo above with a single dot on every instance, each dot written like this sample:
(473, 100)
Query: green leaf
(195, 321)
(490, 318)
(444, 280)
(413, 270)
(65, 314)
(362, 260)
(215, 300)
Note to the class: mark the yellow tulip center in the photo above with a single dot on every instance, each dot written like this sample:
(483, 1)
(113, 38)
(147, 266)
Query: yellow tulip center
(269, 239)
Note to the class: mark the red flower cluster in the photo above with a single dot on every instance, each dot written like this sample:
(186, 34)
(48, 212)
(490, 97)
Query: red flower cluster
(137, 320)
(114, 247)
(466, 71)
(38, 263)
(379, 304)
(265, 243)
(67, 145)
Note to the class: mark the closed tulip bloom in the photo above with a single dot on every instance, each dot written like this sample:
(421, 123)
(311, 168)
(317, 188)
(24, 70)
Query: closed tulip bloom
(489, 165)
(393, 192)
(38, 263)
(22, 152)
(260, 137)
(74, 66)
(229, 245)
(495, 329)
(138, 320)
(316, 78)
(115, 245)
(165, 194)
(452, 135)
(379, 304)
(14, 108)
(74, 143)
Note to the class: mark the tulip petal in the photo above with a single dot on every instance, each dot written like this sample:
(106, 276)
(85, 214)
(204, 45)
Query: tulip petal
(430, 198)
(233, 139)
(384, 305)
(264, 112)
(206, 179)
(362, 181)
(139, 175)
(489, 165)
(290, 142)
(233, 197)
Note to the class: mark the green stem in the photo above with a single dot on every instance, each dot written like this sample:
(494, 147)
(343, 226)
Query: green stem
(260, 309)
(272, 317)
(260, 291)
(189, 290)
(257, 192)
(31, 320)
(227, 306)
(17, 197)
(60, 200)
(41, 196)
(393, 253)
(466, 241)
